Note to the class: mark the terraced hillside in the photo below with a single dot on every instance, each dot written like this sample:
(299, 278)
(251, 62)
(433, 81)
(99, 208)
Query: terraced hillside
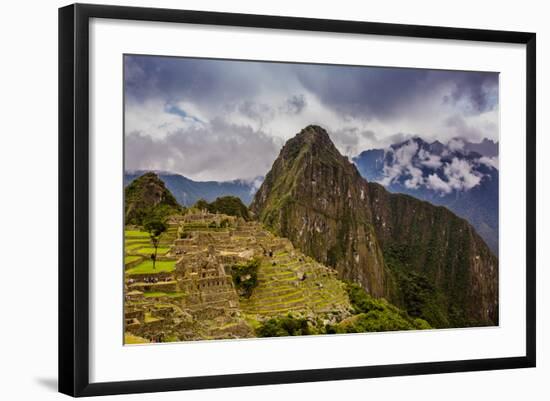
(290, 282)
(205, 260)
(138, 248)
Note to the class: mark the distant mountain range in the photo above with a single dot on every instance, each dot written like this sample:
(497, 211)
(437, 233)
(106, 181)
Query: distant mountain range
(460, 175)
(187, 191)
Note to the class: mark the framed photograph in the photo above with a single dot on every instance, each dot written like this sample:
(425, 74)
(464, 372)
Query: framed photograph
(251, 199)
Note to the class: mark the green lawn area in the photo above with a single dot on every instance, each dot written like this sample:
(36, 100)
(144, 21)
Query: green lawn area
(132, 247)
(149, 251)
(131, 339)
(136, 234)
(148, 318)
(130, 259)
(146, 267)
(178, 294)
(137, 241)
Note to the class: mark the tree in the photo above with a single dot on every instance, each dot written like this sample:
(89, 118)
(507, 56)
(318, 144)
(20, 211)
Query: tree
(201, 204)
(155, 228)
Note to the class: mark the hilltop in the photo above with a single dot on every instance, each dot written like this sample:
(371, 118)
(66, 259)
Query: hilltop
(146, 197)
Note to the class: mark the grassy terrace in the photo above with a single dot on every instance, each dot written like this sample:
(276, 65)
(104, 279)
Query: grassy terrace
(130, 259)
(131, 339)
(146, 267)
(149, 318)
(136, 234)
(132, 247)
(149, 250)
(280, 291)
(129, 241)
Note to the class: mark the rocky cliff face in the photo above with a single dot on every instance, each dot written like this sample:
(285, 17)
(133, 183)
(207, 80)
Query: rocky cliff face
(417, 255)
(147, 196)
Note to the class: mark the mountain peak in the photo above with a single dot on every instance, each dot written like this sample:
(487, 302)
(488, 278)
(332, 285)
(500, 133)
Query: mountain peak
(312, 140)
(147, 197)
(314, 133)
(310, 135)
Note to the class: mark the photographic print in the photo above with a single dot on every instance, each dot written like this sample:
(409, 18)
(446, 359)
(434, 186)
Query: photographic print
(273, 199)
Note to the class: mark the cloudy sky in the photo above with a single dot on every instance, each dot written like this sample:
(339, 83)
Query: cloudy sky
(222, 120)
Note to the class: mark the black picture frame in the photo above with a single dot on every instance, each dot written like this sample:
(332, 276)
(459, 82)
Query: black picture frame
(74, 198)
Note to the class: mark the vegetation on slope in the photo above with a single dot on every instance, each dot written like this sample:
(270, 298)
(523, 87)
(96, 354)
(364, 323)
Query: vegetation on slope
(245, 277)
(372, 315)
(147, 198)
(445, 252)
(285, 326)
(369, 315)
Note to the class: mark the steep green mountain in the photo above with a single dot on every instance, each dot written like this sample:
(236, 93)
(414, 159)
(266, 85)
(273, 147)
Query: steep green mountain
(146, 197)
(418, 256)
(314, 196)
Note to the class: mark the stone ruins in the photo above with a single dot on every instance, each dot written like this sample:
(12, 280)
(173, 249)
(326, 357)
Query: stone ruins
(191, 294)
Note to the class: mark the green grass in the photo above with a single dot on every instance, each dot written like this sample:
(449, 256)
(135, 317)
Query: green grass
(146, 267)
(136, 234)
(130, 259)
(157, 294)
(132, 247)
(137, 241)
(131, 339)
(148, 318)
(149, 251)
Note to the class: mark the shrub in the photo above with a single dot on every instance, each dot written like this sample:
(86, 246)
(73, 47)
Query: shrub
(201, 204)
(284, 326)
(374, 315)
(245, 277)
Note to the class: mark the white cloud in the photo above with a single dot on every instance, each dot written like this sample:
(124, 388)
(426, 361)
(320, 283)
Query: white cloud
(429, 160)
(437, 184)
(461, 175)
(217, 150)
(416, 179)
(489, 161)
(401, 163)
(405, 163)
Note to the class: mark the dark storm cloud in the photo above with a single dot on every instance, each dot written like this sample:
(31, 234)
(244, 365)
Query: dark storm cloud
(371, 91)
(172, 78)
(480, 91)
(295, 104)
(383, 92)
